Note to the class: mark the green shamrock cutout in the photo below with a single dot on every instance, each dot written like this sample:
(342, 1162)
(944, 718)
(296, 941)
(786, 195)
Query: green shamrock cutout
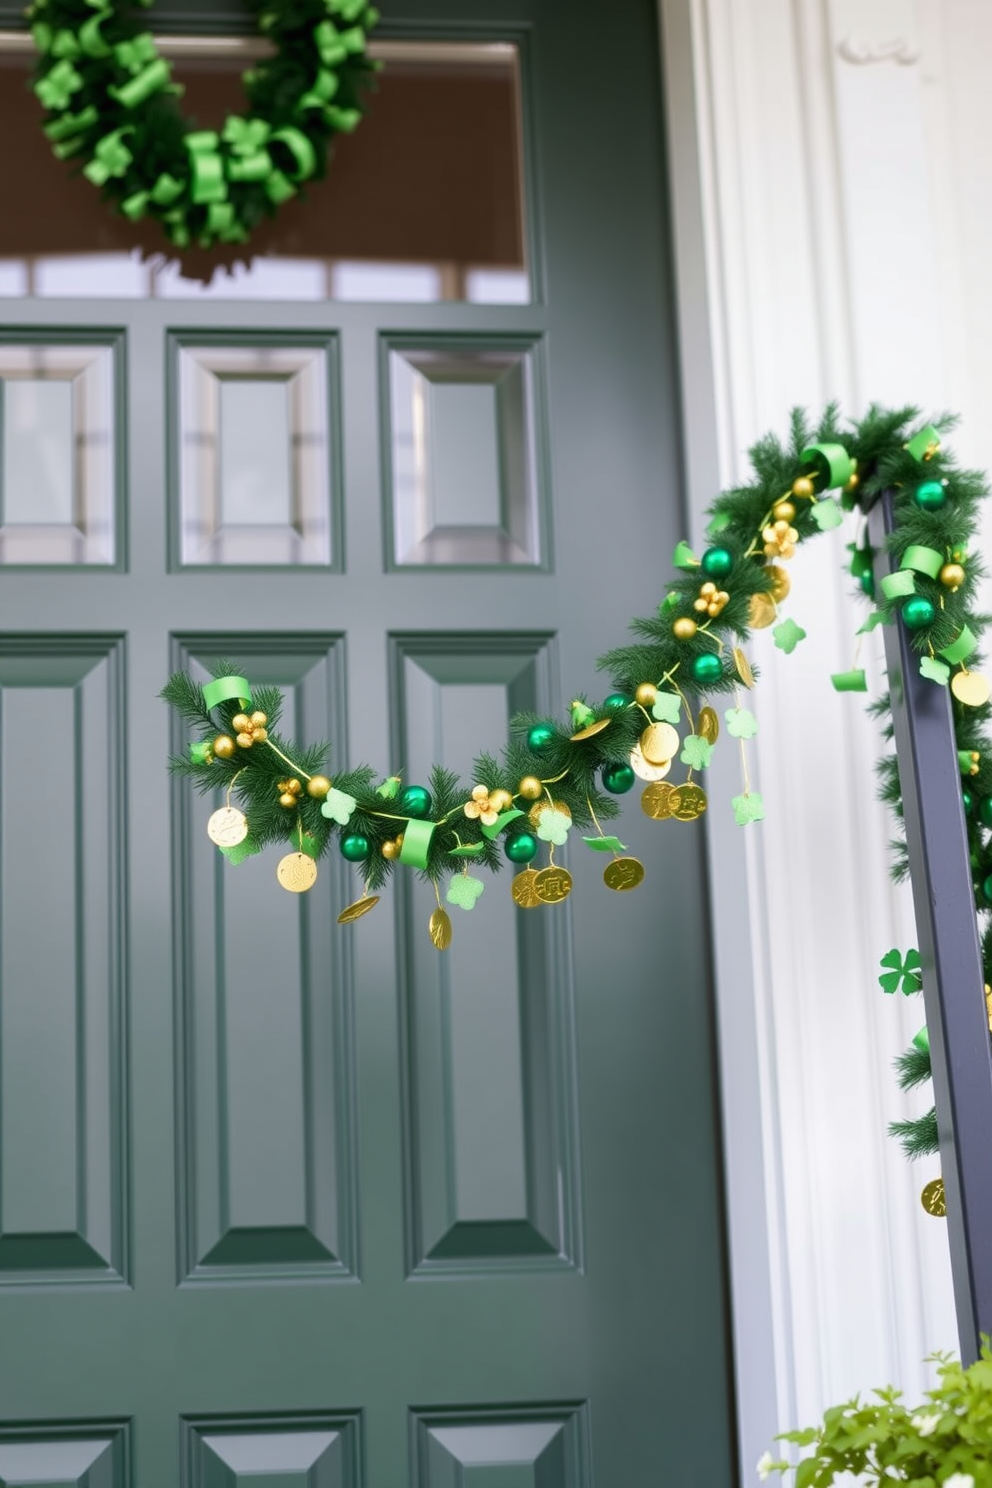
(338, 806)
(904, 975)
(741, 723)
(877, 617)
(696, 752)
(605, 844)
(937, 671)
(826, 514)
(389, 789)
(464, 890)
(667, 707)
(748, 808)
(554, 826)
(788, 635)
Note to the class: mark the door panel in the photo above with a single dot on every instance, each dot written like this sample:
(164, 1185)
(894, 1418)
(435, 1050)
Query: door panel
(333, 1208)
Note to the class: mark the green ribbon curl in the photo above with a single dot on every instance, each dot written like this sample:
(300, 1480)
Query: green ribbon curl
(60, 129)
(899, 584)
(416, 843)
(302, 151)
(928, 439)
(832, 459)
(961, 647)
(223, 689)
(852, 681)
(157, 75)
(208, 184)
(329, 44)
(90, 38)
(165, 190)
(201, 754)
(924, 560)
(921, 1041)
(110, 158)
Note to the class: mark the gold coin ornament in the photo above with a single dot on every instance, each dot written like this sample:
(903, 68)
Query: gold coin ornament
(743, 667)
(297, 872)
(591, 730)
(933, 1198)
(708, 724)
(227, 826)
(524, 890)
(691, 803)
(661, 801)
(360, 907)
(971, 688)
(440, 928)
(659, 743)
(780, 581)
(553, 885)
(623, 874)
(763, 611)
(643, 770)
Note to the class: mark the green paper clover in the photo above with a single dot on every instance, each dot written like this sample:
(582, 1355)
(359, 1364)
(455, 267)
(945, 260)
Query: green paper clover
(788, 635)
(338, 806)
(57, 86)
(464, 890)
(827, 514)
(134, 55)
(741, 723)
(389, 789)
(465, 850)
(554, 826)
(604, 844)
(748, 808)
(936, 671)
(667, 707)
(696, 752)
(905, 972)
(876, 618)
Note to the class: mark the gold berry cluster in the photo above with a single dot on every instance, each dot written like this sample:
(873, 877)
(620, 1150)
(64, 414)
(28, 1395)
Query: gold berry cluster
(289, 792)
(711, 600)
(249, 730)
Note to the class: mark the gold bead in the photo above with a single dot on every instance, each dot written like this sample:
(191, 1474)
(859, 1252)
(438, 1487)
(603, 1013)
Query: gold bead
(390, 850)
(784, 511)
(241, 723)
(294, 787)
(223, 746)
(646, 694)
(244, 741)
(853, 483)
(259, 720)
(399, 840)
(802, 486)
(530, 788)
(684, 628)
(287, 799)
(500, 799)
(952, 576)
(318, 786)
(259, 735)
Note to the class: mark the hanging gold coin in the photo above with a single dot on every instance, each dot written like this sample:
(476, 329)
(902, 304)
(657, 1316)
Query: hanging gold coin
(691, 803)
(524, 890)
(762, 612)
(360, 907)
(623, 874)
(643, 770)
(660, 801)
(227, 826)
(553, 885)
(591, 729)
(540, 807)
(708, 725)
(933, 1198)
(970, 688)
(743, 667)
(659, 743)
(297, 872)
(440, 928)
(781, 583)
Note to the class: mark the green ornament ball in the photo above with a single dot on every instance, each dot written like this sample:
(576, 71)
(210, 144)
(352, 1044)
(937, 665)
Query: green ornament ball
(930, 495)
(706, 668)
(617, 779)
(867, 582)
(539, 737)
(987, 889)
(415, 800)
(521, 847)
(716, 563)
(355, 847)
(919, 612)
(616, 702)
(967, 800)
(985, 811)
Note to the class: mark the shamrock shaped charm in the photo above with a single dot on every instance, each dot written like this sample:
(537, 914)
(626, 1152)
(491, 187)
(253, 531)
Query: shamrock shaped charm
(826, 514)
(464, 890)
(338, 806)
(936, 671)
(741, 723)
(554, 826)
(667, 707)
(748, 808)
(696, 752)
(904, 975)
(788, 635)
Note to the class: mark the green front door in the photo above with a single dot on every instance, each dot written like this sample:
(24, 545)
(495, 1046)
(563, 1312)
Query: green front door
(284, 1202)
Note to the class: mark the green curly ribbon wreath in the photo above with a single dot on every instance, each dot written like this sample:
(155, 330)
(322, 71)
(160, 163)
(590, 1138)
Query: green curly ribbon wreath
(691, 648)
(111, 103)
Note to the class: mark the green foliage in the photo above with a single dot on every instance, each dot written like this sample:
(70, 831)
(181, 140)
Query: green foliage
(913, 1067)
(919, 1136)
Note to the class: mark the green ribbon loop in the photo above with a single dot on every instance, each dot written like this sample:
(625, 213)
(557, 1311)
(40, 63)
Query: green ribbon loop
(302, 151)
(924, 560)
(134, 55)
(279, 188)
(41, 35)
(60, 129)
(201, 754)
(223, 689)
(325, 85)
(90, 38)
(852, 681)
(416, 843)
(897, 585)
(165, 190)
(924, 446)
(344, 120)
(832, 462)
(353, 40)
(921, 1041)
(57, 86)
(961, 647)
(134, 206)
(157, 75)
(250, 167)
(329, 44)
(494, 828)
(110, 158)
(208, 184)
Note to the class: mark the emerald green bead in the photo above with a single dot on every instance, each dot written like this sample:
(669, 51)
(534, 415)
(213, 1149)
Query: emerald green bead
(415, 800)
(867, 582)
(987, 889)
(539, 737)
(706, 668)
(967, 800)
(919, 612)
(355, 847)
(617, 779)
(521, 847)
(930, 495)
(716, 563)
(616, 702)
(985, 811)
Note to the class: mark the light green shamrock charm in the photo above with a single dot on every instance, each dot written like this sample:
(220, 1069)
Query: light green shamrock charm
(936, 671)
(748, 808)
(827, 514)
(696, 752)
(741, 723)
(554, 826)
(667, 707)
(338, 806)
(788, 635)
(464, 890)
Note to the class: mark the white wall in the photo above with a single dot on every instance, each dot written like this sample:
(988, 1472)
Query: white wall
(833, 203)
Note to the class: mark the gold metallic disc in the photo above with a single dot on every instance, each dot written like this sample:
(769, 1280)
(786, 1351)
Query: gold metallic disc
(440, 928)
(708, 725)
(659, 743)
(970, 688)
(592, 728)
(540, 807)
(660, 801)
(934, 1199)
(553, 885)
(763, 611)
(623, 873)
(524, 890)
(743, 667)
(359, 908)
(691, 803)
(781, 580)
(227, 827)
(297, 872)
(643, 770)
